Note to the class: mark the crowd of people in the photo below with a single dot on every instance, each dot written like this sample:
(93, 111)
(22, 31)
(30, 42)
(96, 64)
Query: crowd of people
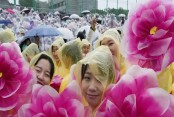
(106, 68)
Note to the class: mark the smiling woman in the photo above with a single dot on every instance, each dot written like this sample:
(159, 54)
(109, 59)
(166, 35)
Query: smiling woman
(91, 87)
(43, 66)
(94, 73)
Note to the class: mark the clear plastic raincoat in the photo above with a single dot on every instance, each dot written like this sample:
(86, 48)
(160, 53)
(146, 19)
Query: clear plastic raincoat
(70, 53)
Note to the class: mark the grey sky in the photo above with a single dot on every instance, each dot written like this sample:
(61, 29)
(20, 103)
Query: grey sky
(111, 3)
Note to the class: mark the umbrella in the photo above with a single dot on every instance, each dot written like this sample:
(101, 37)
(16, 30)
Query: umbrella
(43, 31)
(74, 16)
(65, 17)
(121, 15)
(25, 10)
(72, 26)
(5, 22)
(20, 40)
(56, 13)
(10, 11)
(85, 12)
(67, 34)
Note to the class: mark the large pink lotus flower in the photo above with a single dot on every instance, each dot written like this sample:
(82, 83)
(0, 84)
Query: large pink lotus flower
(56, 82)
(137, 95)
(16, 79)
(46, 102)
(149, 32)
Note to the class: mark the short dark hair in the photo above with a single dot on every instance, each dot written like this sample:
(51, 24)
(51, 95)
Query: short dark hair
(46, 57)
(81, 35)
(83, 70)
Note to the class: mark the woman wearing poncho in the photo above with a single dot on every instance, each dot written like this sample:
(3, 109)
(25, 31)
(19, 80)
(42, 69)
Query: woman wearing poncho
(112, 39)
(30, 52)
(53, 51)
(70, 53)
(43, 66)
(86, 47)
(94, 73)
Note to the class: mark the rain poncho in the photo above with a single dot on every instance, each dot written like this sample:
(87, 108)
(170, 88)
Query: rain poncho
(35, 58)
(7, 36)
(58, 43)
(70, 53)
(87, 43)
(101, 65)
(166, 79)
(30, 52)
(120, 63)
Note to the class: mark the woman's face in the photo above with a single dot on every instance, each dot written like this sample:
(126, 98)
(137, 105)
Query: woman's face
(55, 56)
(111, 44)
(42, 69)
(92, 89)
(85, 49)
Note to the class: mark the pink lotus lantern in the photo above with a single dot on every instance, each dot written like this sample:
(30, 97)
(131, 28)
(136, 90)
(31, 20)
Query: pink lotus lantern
(46, 102)
(149, 35)
(56, 82)
(16, 79)
(137, 95)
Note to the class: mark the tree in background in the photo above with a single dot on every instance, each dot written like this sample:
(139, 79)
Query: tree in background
(27, 3)
(110, 11)
(118, 11)
(98, 11)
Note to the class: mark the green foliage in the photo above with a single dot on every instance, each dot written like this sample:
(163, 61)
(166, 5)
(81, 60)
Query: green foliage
(118, 11)
(101, 12)
(27, 3)
(111, 11)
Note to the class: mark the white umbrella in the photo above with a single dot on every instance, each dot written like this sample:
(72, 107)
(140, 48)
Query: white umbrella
(121, 15)
(67, 34)
(65, 17)
(85, 12)
(25, 10)
(72, 26)
(56, 13)
(74, 16)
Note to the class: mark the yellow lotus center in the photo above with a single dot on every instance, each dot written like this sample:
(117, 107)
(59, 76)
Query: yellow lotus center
(153, 30)
(1, 74)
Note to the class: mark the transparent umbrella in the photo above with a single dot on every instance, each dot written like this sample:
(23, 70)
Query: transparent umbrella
(43, 31)
(121, 15)
(74, 16)
(85, 12)
(66, 33)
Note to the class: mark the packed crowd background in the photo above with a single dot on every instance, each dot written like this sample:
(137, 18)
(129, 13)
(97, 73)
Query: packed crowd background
(89, 66)
(21, 21)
